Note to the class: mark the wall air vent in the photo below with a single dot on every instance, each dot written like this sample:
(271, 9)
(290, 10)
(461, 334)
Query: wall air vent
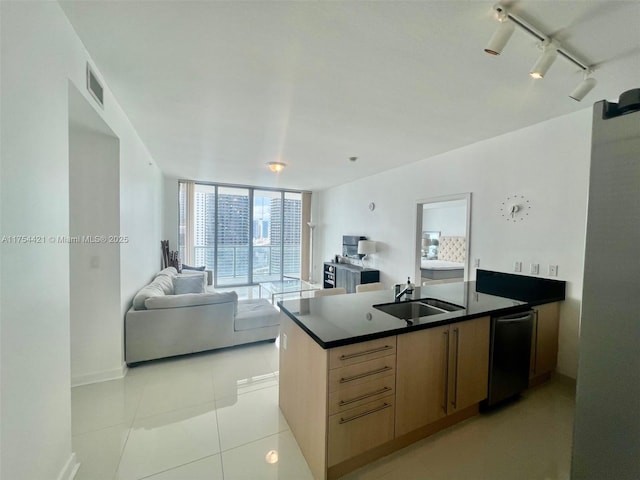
(94, 86)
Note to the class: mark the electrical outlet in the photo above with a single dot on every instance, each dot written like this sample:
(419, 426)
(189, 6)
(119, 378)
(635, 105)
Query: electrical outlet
(553, 270)
(284, 341)
(476, 262)
(517, 266)
(535, 268)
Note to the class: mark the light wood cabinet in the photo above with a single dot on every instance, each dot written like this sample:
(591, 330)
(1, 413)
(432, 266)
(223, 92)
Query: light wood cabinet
(440, 371)
(468, 363)
(360, 429)
(544, 341)
(421, 376)
(341, 403)
(361, 388)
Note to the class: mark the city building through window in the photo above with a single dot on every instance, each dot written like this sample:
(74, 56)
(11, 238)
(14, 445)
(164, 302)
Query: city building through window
(245, 235)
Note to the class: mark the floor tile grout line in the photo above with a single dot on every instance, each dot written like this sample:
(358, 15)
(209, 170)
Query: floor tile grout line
(133, 419)
(238, 394)
(124, 445)
(219, 439)
(180, 466)
(254, 441)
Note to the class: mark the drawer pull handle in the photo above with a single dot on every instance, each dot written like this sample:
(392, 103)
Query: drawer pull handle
(366, 395)
(365, 374)
(446, 372)
(368, 412)
(535, 342)
(454, 403)
(366, 352)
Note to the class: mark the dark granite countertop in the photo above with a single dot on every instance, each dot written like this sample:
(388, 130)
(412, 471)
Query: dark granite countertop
(338, 320)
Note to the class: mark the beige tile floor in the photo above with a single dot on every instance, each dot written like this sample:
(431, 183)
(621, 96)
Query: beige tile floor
(215, 416)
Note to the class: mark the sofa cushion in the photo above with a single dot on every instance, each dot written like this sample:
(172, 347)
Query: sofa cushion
(150, 291)
(190, 300)
(170, 271)
(255, 313)
(189, 283)
(165, 282)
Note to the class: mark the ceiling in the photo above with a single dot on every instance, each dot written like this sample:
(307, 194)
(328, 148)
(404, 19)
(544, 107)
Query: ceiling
(216, 89)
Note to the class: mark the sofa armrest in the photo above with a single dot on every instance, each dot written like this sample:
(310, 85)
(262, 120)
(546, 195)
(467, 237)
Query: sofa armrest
(190, 300)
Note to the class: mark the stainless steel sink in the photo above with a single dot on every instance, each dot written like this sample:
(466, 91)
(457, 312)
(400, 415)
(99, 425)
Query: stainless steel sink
(417, 308)
(446, 306)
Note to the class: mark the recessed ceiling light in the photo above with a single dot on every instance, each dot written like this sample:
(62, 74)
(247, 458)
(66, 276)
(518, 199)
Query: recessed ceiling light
(276, 166)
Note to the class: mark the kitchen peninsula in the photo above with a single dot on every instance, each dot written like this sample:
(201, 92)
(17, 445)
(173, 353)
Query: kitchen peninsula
(357, 383)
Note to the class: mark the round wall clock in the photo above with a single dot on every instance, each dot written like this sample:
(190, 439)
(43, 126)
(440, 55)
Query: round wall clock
(515, 208)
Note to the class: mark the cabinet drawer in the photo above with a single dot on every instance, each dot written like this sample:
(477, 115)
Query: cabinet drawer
(363, 372)
(357, 430)
(349, 397)
(360, 352)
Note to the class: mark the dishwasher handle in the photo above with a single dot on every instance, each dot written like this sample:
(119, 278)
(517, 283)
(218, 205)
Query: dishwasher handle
(517, 317)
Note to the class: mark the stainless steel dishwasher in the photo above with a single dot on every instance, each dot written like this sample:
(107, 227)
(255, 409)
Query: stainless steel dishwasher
(509, 356)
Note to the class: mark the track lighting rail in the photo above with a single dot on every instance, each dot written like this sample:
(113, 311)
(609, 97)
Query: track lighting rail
(538, 35)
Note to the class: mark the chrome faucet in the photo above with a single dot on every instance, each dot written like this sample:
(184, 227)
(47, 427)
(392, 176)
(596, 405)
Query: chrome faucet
(399, 294)
(408, 289)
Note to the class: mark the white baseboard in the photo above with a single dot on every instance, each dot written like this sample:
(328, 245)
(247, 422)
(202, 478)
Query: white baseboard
(70, 468)
(99, 376)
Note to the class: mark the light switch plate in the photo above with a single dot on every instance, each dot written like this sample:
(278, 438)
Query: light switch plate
(476, 262)
(535, 268)
(553, 270)
(517, 266)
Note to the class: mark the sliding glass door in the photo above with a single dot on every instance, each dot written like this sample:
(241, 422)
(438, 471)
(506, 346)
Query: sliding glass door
(234, 230)
(204, 226)
(266, 244)
(245, 235)
(291, 234)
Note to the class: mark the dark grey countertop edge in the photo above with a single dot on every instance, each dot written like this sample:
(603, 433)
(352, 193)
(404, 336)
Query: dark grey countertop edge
(446, 320)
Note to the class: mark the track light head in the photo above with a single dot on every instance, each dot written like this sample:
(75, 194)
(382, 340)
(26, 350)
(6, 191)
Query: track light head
(544, 62)
(502, 34)
(583, 88)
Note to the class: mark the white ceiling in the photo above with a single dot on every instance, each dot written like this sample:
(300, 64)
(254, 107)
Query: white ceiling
(216, 89)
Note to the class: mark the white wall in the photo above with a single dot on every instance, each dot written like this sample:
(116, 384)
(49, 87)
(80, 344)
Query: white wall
(548, 163)
(40, 55)
(96, 322)
(448, 218)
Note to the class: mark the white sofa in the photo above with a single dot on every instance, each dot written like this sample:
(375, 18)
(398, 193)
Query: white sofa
(163, 321)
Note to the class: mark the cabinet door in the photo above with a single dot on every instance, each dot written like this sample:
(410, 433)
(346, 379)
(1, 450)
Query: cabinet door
(357, 430)
(421, 379)
(468, 363)
(544, 348)
(341, 277)
(353, 279)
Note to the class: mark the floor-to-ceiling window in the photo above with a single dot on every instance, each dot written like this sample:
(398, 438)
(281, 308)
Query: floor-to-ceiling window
(245, 235)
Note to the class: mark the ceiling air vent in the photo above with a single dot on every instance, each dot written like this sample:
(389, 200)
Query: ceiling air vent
(94, 86)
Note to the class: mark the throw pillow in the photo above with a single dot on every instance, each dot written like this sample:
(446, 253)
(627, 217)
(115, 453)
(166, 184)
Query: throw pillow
(188, 284)
(165, 282)
(170, 271)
